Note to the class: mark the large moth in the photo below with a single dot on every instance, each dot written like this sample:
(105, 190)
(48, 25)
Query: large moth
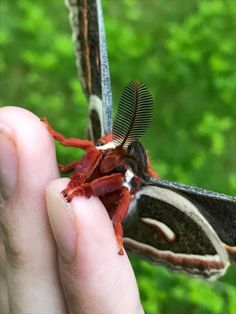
(186, 228)
(116, 167)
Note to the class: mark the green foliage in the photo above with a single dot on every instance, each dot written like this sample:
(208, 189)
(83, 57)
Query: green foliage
(185, 51)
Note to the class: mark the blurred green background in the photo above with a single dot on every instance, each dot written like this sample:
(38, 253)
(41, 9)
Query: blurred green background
(185, 51)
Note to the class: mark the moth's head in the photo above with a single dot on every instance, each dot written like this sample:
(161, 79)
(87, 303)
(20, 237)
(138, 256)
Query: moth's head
(136, 160)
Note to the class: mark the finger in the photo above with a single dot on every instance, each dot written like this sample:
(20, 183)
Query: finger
(95, 278)
(32, 278)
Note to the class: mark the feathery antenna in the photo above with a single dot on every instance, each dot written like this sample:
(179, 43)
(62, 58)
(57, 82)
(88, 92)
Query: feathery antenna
(134, 114)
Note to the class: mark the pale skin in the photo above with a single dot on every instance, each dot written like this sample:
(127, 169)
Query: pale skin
(55, 258)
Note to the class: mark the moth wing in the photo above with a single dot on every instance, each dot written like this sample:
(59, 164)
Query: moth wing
(217, 208)
(167, 228)
(92, 62)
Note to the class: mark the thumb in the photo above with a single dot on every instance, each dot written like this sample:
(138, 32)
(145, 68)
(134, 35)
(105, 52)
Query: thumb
(95, 278)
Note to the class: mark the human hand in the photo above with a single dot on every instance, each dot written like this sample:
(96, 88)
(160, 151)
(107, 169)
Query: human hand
(69, 265)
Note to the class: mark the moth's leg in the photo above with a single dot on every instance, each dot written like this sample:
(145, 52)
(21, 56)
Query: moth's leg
(71, 166)
(73, 142)
(111, 201)
(84, 169)
(98, 187)
(118, 217)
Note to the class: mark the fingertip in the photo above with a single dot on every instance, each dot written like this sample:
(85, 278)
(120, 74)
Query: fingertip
(81, 227)
(61, 220)
(93, 226)
(93, 273)
(98, 276)
(34, 147)
(57, 185)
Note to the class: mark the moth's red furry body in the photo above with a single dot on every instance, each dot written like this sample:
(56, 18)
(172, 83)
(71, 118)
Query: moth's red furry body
(99, 173)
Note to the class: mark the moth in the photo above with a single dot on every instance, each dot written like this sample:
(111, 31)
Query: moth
(186, 228)
(117, 166)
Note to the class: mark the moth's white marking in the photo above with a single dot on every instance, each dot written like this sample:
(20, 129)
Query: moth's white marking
(129, 175)
(109, 145)
(170, 258)
(95, 103)
(128, 178)
(189, 209)
(127, 185)
(170, 235)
